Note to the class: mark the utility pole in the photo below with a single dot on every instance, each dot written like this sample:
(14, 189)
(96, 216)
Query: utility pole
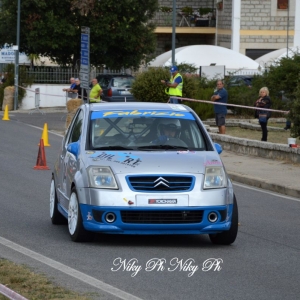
(17, 57)
(173, 32)
(287, 29)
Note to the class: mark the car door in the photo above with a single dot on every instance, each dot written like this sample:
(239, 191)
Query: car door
(68, 160)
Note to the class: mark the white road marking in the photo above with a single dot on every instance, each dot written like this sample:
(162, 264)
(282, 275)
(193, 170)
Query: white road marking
(69, 271)
(266, 191)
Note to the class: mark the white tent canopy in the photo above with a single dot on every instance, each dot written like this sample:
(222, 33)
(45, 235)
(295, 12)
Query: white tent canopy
(274, 57)
(205, 55)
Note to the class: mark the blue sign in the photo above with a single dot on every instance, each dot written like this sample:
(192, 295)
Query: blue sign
(85, 49)
(84, 54)
(84, 37)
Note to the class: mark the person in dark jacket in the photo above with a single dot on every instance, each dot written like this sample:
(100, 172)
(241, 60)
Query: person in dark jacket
(263, 101)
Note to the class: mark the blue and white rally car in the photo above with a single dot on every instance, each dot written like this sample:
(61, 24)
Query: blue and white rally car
(141, 168)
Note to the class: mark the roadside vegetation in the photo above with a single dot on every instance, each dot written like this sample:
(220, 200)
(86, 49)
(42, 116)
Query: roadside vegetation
(278, 137)
(33, 286)
(121, 34)
(282, 80)
(10, 82)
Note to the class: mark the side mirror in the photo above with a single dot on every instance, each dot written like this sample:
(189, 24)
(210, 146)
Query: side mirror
(73, 148)
(218, 148)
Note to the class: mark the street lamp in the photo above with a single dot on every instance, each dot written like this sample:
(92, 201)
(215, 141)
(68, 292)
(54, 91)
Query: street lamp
(17, 57)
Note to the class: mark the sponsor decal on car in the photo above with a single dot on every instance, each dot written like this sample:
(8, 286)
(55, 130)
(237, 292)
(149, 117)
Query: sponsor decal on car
(162, 201)
(135, 113)
(117, 157)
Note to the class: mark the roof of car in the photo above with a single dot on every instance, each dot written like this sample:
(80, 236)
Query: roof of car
(137, 105)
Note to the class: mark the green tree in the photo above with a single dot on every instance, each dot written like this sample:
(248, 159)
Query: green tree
(24, 81)
(120, 32)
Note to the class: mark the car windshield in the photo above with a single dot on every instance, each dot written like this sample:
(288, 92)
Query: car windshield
(124, 82)
(145, 131)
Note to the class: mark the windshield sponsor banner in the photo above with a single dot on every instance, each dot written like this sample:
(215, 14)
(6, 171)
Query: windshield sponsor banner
(142, 113)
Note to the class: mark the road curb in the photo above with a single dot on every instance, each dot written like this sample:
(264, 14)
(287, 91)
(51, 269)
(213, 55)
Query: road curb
(263, 184)
(10, 294)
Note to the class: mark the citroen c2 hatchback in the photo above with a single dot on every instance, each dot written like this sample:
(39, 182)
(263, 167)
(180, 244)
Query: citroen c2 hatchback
(141, 168)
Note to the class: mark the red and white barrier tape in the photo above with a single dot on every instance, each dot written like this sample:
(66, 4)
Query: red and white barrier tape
(26, 89)
(186, 99)
(228, 104)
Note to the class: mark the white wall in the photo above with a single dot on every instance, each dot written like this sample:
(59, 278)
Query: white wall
(51, 95)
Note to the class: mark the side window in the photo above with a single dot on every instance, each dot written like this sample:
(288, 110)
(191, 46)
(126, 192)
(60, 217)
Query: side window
(77, 128)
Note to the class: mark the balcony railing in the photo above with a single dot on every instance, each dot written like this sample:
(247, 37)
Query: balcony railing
(164, 19)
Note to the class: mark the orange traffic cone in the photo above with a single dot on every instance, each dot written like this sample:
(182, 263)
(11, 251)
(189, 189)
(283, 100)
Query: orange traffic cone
(41, 163)
(45, 135)
(5, 116)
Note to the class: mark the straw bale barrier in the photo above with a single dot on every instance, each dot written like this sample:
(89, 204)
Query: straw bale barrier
(8, 98)
(72, 106)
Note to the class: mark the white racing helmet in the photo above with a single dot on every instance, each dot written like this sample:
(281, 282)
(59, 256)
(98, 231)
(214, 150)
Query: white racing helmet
(171, 124)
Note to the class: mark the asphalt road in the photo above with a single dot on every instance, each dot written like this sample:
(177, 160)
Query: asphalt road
(263, 263)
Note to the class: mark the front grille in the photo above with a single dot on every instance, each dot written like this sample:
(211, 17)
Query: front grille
(162, 217)
(161, 183)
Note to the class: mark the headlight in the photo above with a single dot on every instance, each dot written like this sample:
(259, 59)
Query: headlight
(102, 178)
(214, 178)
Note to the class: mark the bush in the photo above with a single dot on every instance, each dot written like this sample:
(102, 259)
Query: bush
(24, 81)
(148, 88)
(294, 114)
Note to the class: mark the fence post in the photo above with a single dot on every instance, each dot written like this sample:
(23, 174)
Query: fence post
(37, 100)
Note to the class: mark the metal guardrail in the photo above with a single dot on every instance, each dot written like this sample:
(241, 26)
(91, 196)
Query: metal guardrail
(61, 75)
(164, 19)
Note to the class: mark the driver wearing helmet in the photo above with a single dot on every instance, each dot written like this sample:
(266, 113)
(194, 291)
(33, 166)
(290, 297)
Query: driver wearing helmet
(168, 130)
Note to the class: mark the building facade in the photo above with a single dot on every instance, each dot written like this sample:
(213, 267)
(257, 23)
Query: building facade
(251, 27)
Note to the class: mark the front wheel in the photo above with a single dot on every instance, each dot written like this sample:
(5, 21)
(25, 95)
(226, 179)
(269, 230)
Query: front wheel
(229, 236)
(56, 217)
(75, 226)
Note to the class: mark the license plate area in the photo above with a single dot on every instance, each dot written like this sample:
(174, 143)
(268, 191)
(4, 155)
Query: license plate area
(154, 200)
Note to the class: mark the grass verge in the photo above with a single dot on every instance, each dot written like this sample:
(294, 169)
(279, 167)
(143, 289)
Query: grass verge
(278, 137)
(33, 286)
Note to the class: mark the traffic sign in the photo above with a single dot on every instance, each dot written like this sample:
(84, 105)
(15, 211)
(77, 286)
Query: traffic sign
(85, 57)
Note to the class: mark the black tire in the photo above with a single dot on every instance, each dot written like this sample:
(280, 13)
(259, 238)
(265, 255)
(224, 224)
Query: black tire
(75, 226)
(229, 236)
(56, 217)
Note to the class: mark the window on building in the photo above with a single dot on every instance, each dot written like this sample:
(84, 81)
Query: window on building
(282, 4)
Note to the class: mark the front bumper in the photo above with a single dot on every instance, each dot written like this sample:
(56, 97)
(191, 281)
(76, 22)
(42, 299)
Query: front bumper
(142, 220)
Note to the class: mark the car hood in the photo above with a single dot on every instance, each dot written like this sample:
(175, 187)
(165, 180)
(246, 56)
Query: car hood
(154, 161)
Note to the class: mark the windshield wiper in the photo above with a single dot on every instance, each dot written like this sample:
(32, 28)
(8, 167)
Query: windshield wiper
(113, 148)
(165, 147)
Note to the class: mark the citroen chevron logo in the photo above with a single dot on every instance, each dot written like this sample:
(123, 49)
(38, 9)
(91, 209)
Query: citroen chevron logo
(161, 181)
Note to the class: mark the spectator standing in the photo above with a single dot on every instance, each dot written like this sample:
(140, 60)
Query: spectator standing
(95, 91)
(72, 82)
(263, 101)
(175, 85)
(3, 78)
(220, 96)
(79, 90)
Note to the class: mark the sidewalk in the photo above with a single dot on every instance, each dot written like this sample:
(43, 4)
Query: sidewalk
(274, 175)
(269, 174)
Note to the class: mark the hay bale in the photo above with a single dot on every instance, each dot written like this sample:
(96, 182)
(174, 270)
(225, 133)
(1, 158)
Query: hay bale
(8, 98)
(72, 106)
